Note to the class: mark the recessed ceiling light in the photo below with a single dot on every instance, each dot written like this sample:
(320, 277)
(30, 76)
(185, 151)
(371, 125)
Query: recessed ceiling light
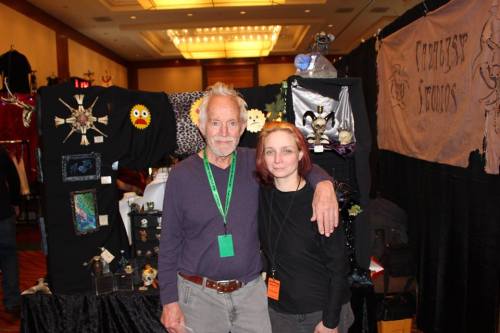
(243, 12)
(189, 14)
(307, 11)
(133, 17)
(330, 25)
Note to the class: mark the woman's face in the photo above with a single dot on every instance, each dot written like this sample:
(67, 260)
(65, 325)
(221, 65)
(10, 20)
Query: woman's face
(282, 155)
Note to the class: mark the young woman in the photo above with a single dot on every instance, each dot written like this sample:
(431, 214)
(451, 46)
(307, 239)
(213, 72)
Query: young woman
(306, 272)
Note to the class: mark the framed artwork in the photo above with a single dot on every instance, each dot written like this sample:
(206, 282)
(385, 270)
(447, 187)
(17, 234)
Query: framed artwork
(85, 213)
(81, 167)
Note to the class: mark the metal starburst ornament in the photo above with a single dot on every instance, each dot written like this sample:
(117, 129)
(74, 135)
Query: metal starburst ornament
(81, 119)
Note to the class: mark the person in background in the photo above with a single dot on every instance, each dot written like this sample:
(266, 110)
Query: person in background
(209, 260)
(306, 272)
(131, 181)
(9, 209)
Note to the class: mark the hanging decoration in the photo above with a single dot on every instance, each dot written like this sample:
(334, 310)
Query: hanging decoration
(326, 122)
(255, 120)
(106, 79)
(12, 99)
(194, 112)
(81, 120)
(277, 109)
(318, 124)
(140, 116)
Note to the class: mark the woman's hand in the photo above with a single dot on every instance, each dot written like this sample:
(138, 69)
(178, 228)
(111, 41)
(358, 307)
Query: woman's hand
(320, 328)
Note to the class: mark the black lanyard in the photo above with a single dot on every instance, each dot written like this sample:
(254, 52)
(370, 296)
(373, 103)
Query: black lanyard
(272, 252)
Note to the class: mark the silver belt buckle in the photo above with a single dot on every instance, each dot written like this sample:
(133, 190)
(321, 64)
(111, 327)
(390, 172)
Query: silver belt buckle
(222, 282)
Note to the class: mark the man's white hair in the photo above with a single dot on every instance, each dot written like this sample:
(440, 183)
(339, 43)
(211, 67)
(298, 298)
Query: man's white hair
(221, 89)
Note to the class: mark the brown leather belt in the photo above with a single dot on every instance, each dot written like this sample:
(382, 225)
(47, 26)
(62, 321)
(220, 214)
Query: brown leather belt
(222, 287)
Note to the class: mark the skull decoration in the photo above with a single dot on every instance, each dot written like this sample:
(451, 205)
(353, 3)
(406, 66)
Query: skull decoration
(318, 125)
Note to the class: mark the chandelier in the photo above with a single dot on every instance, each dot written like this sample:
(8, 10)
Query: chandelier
(176, 4)
(225, 42)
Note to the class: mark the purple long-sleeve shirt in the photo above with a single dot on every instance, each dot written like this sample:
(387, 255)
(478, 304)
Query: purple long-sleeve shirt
(191, 223)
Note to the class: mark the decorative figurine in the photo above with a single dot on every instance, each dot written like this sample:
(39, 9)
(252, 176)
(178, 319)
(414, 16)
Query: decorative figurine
(149, 278)
(143, 235)
(319, 122)
(345, 137)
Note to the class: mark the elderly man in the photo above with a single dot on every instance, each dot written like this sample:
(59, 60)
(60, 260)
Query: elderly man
(209, 261)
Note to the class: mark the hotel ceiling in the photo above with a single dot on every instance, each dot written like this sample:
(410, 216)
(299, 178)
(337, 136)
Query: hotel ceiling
(136, 30)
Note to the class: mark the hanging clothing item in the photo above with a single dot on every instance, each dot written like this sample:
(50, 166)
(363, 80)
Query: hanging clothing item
(189, 139)
(16, 68)
(87, 133)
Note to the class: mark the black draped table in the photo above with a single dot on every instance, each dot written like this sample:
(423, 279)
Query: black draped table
(113, 312)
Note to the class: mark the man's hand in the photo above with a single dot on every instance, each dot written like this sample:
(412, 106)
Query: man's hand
(320, 328)
(325, 208)
(173, 318)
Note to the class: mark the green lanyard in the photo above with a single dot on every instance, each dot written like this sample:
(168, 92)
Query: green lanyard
(213, 186)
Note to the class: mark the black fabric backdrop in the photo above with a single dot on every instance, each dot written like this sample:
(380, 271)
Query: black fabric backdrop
(116, 312)
(130, 146)
(354, 169)
(454, 216)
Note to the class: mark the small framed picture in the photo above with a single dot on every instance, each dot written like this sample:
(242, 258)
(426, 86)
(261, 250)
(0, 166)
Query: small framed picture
(81, 167)
(84, 209)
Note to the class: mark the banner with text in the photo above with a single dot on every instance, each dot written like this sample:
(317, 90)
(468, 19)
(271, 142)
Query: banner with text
(439, 85)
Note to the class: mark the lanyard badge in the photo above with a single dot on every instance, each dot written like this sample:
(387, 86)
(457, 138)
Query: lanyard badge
(225, 241)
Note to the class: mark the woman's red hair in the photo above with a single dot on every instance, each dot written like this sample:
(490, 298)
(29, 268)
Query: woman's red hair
(263, 175)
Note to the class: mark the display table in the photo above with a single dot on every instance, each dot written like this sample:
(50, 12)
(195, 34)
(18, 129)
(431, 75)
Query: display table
(113, 312)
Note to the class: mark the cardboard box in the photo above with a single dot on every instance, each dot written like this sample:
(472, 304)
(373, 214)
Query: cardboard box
(394, 326)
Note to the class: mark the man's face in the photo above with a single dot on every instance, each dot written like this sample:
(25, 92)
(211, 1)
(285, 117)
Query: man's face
(223, 127)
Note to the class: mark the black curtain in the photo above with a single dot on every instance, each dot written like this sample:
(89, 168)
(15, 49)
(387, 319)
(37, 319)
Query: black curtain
(454, 215)
(454, 223)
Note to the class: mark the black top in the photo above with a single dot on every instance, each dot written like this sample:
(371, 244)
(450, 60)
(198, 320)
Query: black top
(312, 269)
(9, 186)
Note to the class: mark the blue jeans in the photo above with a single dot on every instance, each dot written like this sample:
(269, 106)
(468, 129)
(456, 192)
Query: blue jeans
(305, 323)
(9, 263)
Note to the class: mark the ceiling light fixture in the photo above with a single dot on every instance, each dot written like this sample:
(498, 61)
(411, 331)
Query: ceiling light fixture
(225, 42)
(176, 4)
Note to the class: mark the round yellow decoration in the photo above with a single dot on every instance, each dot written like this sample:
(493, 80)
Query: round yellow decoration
(194, 112)
(140, 116)
(255, 120)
